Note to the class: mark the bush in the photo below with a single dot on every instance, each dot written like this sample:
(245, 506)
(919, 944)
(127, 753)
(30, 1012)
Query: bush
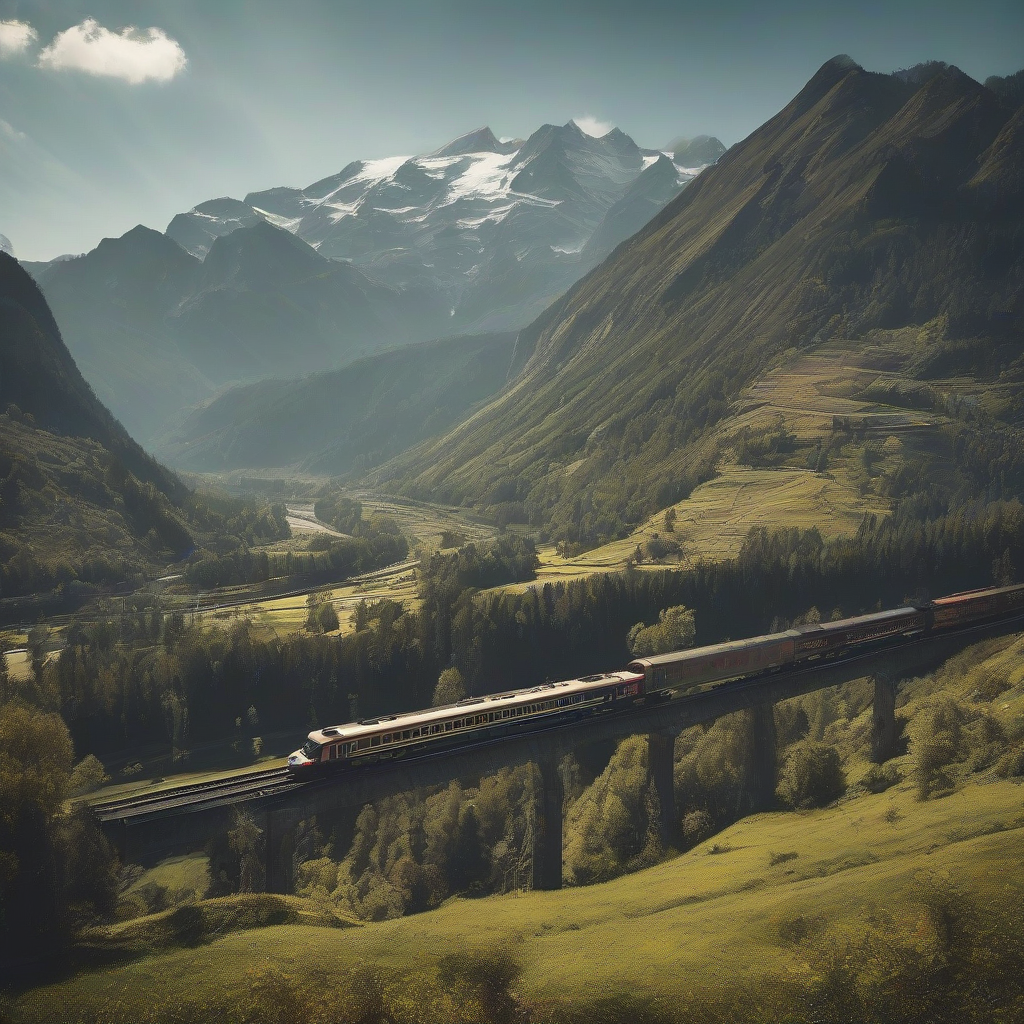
(1011, 764)
(879, 777)
(813, 776)
(696, 826)
(187, 925)
(938, 743)
(88, 774)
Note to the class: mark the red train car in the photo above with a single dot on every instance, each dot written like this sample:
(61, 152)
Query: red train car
(976, 606)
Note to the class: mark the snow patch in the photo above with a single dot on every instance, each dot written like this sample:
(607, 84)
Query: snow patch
(287, 223)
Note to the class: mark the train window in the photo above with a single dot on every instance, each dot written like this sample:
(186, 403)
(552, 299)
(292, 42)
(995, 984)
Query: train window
(374, 741)
(363, 743)
(447, 726)
(407, 734)
(387, 738)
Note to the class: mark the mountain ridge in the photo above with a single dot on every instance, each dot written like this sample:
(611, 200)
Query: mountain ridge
(780, 243)
(382, 254)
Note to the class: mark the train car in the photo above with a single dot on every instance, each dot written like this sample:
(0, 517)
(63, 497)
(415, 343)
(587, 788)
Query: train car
(827, 639)
(683, 670)
(468, 721)
(977, 605)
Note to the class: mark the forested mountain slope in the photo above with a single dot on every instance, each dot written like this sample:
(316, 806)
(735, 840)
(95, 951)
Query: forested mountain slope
(869, 202)
(81, 503)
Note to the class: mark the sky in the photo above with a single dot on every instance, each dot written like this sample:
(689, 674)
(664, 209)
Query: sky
(119, 112)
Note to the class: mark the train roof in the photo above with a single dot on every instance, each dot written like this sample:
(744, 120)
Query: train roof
(770, 638)
(510, 698)
(961, 595)
(712, 649)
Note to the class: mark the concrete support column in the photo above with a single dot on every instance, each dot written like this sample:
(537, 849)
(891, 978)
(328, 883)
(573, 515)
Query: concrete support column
(764, 757)
(662, 747)
(884, 740)
(547, 827)
(278, 846)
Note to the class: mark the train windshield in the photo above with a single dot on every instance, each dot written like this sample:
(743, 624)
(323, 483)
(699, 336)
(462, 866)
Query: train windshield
(311, 749)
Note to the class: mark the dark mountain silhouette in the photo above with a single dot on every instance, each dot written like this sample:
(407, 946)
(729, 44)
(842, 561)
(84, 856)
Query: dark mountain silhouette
(38, 375)
(870, 201)
(158, 330)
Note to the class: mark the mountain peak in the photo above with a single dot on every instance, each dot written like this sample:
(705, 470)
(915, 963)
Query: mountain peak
(259, 256)
(820, 84)
(480, 140)
(695, 152)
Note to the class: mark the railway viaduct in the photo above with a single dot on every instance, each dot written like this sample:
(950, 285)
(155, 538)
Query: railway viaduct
(148, 837)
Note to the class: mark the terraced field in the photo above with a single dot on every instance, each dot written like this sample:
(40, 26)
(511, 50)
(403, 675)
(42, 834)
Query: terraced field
(845, 380)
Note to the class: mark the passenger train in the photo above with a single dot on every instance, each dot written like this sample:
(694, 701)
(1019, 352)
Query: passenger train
(645, 679)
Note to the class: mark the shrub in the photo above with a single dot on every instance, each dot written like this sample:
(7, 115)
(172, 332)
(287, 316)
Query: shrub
(1011, 764)
(813, 776)
(938, 743)
(696, 825)
(187, 925)
(879, 777)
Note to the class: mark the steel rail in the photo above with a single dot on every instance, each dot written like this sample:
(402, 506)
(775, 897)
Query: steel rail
(196, 792)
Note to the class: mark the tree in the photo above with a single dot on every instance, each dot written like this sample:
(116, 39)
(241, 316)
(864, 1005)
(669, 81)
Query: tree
(450, 687)
(89, 774)
(675, 630)
(38, 637)
(813, 776)
(320, 614)
(55, 870)
(248, 844)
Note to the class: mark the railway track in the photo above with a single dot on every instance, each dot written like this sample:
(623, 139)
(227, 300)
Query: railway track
(256, 784)
(197, 795)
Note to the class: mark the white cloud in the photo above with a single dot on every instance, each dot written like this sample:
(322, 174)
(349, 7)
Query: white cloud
(132, 54)
(593, 126)
(16, 37)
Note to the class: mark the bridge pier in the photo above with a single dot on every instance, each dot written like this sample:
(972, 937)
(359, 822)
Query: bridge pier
(884, 739)
(547, 827)
(763, 757)
(279, 847)
(661, 761)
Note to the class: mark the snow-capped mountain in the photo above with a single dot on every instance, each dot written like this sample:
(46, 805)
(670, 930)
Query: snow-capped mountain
(494, 228)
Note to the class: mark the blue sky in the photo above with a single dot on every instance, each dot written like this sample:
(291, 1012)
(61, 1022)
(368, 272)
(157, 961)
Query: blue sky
(114, 113)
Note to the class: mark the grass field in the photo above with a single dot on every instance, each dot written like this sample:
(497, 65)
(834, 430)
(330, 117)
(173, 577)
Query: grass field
(698, 921)
(719, 916)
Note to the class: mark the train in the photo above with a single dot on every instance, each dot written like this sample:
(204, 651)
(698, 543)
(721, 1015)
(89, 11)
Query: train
(660, 677)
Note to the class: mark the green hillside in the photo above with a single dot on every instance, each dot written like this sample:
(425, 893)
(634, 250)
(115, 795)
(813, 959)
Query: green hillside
(870, 203)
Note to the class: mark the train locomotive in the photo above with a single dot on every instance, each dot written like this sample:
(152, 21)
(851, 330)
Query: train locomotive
(644, 679)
